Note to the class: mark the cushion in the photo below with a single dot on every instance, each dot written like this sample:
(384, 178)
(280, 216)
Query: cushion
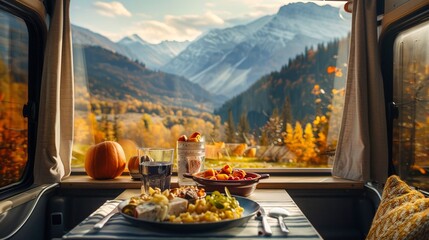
(403, 213)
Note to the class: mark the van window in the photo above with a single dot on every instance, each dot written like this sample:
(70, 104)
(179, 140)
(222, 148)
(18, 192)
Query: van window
(410, 149)
(263, 81)
(13, 96)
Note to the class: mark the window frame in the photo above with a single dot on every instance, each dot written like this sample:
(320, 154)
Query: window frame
(37, 30)
(311, 171)
(386, 43)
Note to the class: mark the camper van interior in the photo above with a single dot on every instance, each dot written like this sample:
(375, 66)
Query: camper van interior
(203, 119)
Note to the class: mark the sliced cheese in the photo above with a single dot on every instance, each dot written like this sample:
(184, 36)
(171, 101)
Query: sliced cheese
(151, 211)
(177, 206)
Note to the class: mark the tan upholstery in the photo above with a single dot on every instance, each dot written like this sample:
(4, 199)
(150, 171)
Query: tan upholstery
(403, 213)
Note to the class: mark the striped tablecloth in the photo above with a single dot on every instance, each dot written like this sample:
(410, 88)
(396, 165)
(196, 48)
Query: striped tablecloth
(120, 228)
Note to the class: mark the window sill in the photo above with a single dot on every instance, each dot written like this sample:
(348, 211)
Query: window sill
(273, 182)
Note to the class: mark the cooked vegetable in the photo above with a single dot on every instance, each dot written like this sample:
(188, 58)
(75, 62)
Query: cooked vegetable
(225, 173)
(221, 201)
(212, 208)
(188, 192)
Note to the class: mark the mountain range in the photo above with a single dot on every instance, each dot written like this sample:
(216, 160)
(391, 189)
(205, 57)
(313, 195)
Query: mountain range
(114, 77)
(228, 61)
(154, 56)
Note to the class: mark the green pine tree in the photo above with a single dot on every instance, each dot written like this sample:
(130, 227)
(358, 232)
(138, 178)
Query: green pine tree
(286, 113)
(243, 128)
(230, 128)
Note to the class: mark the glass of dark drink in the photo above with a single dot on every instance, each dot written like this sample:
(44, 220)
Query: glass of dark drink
(156, 167)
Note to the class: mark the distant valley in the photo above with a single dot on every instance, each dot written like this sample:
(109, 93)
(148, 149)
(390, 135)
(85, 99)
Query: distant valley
(113, 77)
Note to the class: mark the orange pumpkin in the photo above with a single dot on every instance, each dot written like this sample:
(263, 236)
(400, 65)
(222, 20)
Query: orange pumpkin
(134, 166)
(105, 160)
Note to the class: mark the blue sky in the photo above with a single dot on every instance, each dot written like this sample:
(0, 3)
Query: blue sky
(159, 20)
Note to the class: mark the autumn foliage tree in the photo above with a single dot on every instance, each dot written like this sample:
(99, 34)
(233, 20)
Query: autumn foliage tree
(13, 127)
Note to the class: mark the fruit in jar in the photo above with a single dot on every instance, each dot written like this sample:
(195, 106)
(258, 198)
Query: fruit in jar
(193, 165)
(183, 138)
(194, 137)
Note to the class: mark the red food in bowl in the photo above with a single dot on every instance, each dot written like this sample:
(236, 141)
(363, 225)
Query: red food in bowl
(241, 187)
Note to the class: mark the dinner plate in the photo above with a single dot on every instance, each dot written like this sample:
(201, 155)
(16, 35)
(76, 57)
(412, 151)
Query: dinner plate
(250, 209)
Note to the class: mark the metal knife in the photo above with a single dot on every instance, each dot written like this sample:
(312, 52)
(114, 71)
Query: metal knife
(103, 221)
(265, 225)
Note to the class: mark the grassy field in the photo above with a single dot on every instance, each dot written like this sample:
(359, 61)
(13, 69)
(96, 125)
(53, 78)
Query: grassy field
(236, 162)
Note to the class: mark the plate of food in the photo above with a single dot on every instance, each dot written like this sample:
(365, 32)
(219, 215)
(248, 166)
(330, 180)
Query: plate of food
(201, 212)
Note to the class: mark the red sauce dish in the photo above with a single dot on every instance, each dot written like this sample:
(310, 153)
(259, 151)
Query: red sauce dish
(242, 187)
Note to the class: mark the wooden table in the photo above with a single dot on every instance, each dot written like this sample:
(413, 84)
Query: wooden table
(119, 228)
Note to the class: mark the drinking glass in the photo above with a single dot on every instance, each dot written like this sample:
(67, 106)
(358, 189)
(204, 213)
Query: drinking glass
(156, 165)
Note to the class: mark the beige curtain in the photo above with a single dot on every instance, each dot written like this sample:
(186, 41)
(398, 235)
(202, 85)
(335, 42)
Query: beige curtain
(55, 129)
(362, 145)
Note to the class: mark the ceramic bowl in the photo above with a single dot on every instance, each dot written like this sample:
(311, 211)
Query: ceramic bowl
(244, 187)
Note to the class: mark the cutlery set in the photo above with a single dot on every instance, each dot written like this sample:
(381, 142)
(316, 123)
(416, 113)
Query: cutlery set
(265, 225)
(278, 213)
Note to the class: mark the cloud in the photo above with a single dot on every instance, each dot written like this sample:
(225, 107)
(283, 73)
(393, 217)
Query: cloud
(252, 9)
(264, 9)
(207, 20)
(156, 31)
(111, 9)
(210, 4)
(177, 27)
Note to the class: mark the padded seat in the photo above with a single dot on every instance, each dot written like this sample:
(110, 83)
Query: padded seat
(403, 213)
(339, 214)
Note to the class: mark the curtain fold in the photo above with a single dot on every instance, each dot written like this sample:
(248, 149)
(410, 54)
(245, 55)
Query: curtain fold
(56, 112)
(362, 152)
